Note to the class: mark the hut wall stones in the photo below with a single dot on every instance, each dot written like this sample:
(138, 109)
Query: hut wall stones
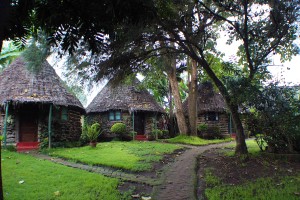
(126, 118)
(222, 122)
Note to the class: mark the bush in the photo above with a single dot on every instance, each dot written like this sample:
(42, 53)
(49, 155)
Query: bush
(202, 127)
(165, 134)
(275, 115)
(118, 128)
(91, 133)
(121, 131)
(210, 133)
(155, 134)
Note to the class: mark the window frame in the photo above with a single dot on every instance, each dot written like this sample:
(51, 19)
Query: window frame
(212, 116)
(114, 114)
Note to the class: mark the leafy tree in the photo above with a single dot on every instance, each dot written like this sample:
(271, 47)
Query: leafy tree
(275, 118)
(8, 54)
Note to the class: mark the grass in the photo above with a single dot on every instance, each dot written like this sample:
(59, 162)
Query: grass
(134, 156)
(263, 188)
(193, 140)
(210, 179)
(252, 146)
(46, 180)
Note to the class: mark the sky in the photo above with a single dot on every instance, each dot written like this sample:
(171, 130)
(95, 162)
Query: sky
(288, 71)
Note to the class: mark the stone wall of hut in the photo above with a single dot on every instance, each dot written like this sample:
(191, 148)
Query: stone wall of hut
(11, 125)
(222, 123)
(126, 118)
(68, 130)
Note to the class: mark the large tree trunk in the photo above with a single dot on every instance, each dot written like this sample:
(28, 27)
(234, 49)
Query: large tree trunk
(192, 99)
(171, 113)
(171, 73)
(241, 147)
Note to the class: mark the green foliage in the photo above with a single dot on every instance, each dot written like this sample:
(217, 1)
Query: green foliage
(76, 90)
(47, 180)
(8, 54)
(210, 179)
(156, 134)
(91, 132)
(118, 128)
(135, 156)
(276, 119)
(165, 134)
(36, 53)
(202, 127)
(11, 148)
(192, 140)
(209, 132)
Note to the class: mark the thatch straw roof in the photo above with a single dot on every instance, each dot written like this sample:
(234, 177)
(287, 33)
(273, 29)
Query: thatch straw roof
(208, 100)
(19, 85)
(123, 96)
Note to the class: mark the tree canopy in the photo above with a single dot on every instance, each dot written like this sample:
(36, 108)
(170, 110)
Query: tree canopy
(128, 33)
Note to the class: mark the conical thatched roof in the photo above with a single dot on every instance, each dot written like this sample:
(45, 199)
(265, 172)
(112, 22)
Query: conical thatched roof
(208, 100)
(123, 96)
(19, 85)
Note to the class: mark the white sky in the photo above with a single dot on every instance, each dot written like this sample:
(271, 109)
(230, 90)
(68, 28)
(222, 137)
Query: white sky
(288, 71)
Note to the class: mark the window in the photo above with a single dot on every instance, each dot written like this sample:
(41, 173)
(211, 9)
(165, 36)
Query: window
(64, 114)
(114, 115)
(212, 116)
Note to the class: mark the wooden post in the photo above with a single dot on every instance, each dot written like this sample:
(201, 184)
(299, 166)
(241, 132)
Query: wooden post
(49, 125)
(133, 124)
(5, 124)
(230, 125)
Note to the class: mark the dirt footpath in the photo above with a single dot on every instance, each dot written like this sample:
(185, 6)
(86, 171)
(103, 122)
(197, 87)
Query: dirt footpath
(180, 177)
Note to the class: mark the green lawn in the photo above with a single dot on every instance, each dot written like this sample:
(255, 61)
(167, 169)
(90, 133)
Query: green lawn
(134, 156)
(252, 146)
(264, 188)
(46, 180)
(192, 140)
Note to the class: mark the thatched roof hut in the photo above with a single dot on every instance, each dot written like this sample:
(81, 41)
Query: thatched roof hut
(19, 85)
(124, 96)
(208, 100)
(38, 106)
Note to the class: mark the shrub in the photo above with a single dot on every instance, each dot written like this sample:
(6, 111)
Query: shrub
(202, 127)
(165, 134)
(155, 134)
(210, 133)
(91, 133)
(275, 115)
(118, 128)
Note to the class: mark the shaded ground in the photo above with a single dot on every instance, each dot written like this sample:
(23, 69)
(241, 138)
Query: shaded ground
(233, 171)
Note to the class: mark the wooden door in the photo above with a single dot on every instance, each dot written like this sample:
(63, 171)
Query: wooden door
(28, 126)
(139, 123)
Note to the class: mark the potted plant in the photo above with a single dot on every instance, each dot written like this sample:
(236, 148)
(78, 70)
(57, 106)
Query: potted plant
(92, 133)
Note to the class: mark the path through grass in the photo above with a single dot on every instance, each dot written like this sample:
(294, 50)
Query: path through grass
(134, 156)
(26, 177)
